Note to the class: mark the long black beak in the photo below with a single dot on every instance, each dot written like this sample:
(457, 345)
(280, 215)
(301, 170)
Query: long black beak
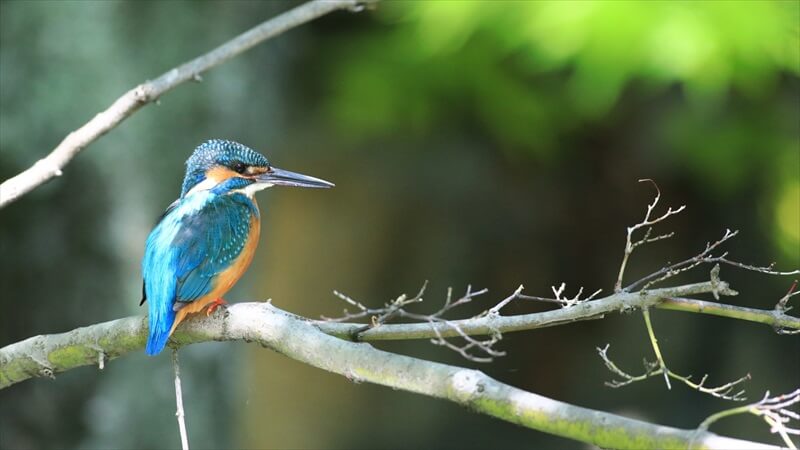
(280, 177)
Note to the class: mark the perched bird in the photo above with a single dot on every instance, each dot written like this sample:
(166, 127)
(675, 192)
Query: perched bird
(206, 239)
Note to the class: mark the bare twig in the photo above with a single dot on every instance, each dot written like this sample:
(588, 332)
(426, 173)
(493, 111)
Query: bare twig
(663, 298)
(768, 270)
(378, 316)
(718, 288)
(648, 221)
(783, 303)
(396, 309)
(671, 270)
(650, 369)
(179, 401)
(782, 322)
(704, 257)
(495, 310)
(725, 391)
(562, 300)
(782, 306)
(774, 410)
(150, 91)
(654, 342)
(485, 346)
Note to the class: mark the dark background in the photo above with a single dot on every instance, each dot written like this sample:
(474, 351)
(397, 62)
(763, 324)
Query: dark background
(471, 143)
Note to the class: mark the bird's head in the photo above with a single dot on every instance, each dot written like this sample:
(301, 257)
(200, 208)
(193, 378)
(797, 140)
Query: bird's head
(227, 166)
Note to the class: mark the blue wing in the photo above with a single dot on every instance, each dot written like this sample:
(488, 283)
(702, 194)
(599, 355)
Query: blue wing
(196, 240)
(209, 242)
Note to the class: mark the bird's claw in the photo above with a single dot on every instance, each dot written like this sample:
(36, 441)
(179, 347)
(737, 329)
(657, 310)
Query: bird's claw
(214, 305)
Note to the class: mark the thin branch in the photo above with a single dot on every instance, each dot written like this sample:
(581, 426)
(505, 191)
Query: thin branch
(149, 91)
(725, 391)
(781, 321)
(704, 257)
(768, 270)
(380, 316)
(626, 378)
(495, 310)
(774, 410)
(397, 309)
(490, 324)
(560, 298)
(303, 341)
(648, 222)
(783, 303)
(656, 349)
(179, 402)
(644, 284)
(671, 270)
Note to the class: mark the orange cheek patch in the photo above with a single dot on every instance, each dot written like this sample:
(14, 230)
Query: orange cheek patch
(220, 174)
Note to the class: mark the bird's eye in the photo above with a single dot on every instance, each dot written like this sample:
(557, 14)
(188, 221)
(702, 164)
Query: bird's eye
(240, 167)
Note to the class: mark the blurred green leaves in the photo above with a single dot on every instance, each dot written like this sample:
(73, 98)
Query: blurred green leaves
(457, 51)
(530, 75)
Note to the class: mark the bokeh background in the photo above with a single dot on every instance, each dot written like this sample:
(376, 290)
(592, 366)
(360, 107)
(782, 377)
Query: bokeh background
(483, 143)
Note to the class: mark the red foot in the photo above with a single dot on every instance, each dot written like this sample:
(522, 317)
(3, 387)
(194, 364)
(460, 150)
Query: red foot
(214, 305)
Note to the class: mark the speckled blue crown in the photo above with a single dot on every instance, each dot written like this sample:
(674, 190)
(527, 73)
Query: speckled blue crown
(218, 152)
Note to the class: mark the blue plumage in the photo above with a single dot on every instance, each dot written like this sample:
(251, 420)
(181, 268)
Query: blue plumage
(209, 241)
(218, 152)
(206, 239)
(198, 239)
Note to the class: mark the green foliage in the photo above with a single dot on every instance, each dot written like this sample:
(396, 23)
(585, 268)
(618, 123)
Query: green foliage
(494, 58)
(532, 75)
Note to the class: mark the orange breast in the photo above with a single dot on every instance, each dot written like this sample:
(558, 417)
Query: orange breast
(227, 278)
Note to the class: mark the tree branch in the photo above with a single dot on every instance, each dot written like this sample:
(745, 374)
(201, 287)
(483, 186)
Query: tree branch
(179, 413)
(149, 91)
(665, 298)
(304, 341)
(45, 355)
(776, 318)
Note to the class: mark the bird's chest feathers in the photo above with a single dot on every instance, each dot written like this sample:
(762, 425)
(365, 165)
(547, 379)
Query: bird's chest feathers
(219, 229)
(240, 262)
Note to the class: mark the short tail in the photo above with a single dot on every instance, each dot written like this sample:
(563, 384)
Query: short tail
(161, 320)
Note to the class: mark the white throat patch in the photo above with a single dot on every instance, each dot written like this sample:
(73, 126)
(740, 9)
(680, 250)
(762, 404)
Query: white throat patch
(250, 190)
(204, 185)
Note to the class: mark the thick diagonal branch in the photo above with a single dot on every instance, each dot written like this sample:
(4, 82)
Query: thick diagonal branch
(149, 91)
(302, 340)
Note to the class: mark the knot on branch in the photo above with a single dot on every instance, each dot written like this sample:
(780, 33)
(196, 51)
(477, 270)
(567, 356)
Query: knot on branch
(782, 307)
(48, 166)
(719, 287)
(465, 384)
(362, 5)
(783, 304)
(143, 93)
(47, 372)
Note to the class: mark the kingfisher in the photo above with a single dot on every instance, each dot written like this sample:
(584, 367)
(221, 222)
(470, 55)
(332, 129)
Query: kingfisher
(206, 239)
